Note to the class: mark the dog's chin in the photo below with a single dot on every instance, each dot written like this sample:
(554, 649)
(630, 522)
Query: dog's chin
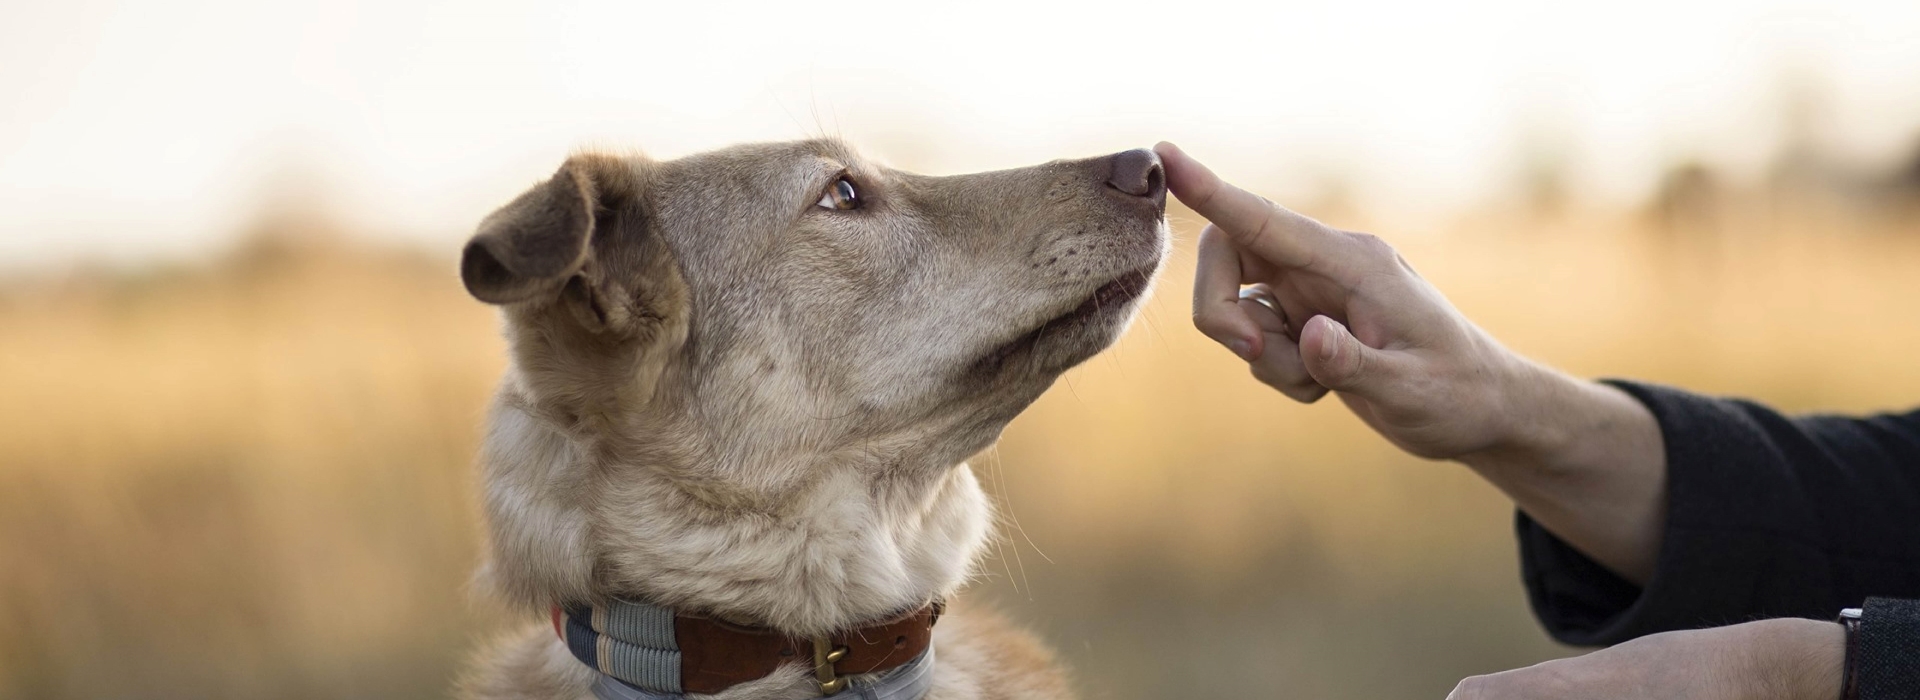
(1072, 337)
(1094, 325)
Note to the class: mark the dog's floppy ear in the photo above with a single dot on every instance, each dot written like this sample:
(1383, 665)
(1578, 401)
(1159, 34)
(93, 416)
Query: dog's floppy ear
(529, 247)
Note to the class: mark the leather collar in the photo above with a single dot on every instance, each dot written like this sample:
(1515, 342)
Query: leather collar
(910, 682)
(664, 651)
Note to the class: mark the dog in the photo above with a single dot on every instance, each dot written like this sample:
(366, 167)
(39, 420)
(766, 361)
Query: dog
(728, 456)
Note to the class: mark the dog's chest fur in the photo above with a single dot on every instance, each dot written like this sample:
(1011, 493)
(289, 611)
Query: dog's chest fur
(845, 549)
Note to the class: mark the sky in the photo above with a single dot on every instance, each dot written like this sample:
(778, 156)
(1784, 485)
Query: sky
(141, 130)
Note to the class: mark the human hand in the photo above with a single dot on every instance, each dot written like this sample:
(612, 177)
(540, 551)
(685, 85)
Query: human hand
(1311, 309)
(1787, 659)
(1323, 309)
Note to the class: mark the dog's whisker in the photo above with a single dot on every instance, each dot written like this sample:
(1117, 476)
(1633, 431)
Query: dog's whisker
(999, 551)
(782, 104)
(1031, 543)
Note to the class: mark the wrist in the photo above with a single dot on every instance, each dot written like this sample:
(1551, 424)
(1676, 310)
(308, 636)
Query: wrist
(1795, 659)
(1585, 461)
(1544, 421)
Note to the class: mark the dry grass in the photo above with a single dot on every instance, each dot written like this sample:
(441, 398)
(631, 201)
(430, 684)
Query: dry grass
(252, 479)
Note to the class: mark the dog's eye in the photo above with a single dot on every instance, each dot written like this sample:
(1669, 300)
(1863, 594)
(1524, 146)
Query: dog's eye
(840, 195)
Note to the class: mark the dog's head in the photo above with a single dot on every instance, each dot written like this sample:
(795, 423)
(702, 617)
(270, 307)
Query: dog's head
(795, 299)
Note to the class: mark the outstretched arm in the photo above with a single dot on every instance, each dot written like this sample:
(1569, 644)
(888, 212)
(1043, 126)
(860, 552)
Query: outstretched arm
(1313, 309)
(1643, 510)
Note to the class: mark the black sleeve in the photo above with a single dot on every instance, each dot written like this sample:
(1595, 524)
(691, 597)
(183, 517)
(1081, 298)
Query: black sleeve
(1886, 657)
(1767, 516)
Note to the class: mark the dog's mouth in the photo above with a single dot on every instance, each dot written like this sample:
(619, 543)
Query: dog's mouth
(1109, 301)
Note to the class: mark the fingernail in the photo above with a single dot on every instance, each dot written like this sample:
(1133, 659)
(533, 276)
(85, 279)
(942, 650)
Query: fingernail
(1329, 346)
(1241, 347)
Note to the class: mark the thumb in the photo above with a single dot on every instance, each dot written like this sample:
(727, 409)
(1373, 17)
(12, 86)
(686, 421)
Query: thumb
(1336, 359)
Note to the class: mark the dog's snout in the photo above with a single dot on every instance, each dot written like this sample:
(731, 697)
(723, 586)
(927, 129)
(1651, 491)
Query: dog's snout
(1138, 173)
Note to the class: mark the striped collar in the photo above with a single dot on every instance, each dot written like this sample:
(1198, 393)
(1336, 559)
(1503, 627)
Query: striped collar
(646, 652)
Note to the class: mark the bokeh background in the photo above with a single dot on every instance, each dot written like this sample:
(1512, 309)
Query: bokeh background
(241, 387)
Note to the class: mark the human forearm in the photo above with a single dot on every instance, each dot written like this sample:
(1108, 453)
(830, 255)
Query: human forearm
(1762, 513)
(1584, 460)
(1783, 659)
(1313, 309)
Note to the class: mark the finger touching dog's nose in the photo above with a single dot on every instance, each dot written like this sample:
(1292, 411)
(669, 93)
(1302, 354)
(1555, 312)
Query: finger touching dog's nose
(1138, 173)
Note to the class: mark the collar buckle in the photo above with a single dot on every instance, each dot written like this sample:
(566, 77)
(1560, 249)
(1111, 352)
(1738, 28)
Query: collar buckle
(825, 655)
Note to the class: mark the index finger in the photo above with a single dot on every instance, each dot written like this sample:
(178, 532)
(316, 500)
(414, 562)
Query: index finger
(1216, 297)
(1266, 229)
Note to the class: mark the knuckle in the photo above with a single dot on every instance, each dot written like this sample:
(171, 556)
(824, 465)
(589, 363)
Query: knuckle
(1209, 191)
(1292, 384)
(1404, 266)
(1356, 367)
(1306, 393)
(1473, 688)
(1208, 321)
(1374, 247)
(1270, 215)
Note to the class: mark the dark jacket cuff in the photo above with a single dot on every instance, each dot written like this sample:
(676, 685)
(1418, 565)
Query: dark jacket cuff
(1735, 545)
(1888, 665)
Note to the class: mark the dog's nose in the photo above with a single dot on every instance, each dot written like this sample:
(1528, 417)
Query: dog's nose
(1138, 173)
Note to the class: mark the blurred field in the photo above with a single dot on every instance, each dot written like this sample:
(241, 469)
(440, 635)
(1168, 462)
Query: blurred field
(252, 479)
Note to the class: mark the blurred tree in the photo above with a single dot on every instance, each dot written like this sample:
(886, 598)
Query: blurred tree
(1688, 201)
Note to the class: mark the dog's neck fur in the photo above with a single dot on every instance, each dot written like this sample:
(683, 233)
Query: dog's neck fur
(589, 505)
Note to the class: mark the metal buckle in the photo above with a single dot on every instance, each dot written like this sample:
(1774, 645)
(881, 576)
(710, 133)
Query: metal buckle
(825, 655)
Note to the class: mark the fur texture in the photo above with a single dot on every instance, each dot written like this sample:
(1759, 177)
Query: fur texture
(725, 397)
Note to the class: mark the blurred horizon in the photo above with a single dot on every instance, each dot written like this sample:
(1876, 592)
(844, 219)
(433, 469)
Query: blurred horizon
(241, 386)
(147, 132)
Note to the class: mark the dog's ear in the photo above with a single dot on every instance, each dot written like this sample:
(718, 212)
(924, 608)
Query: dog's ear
(528, 248)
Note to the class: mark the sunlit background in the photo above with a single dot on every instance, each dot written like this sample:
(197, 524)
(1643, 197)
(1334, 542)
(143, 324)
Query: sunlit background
(241, 387)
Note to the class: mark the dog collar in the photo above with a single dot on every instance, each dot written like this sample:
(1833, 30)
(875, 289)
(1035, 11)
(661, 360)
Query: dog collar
(646, 652)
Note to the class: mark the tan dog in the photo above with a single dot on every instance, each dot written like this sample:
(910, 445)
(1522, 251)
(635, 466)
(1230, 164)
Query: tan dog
(744, 384)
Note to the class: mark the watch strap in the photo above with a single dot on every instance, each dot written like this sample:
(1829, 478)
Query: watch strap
(1849, 674)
